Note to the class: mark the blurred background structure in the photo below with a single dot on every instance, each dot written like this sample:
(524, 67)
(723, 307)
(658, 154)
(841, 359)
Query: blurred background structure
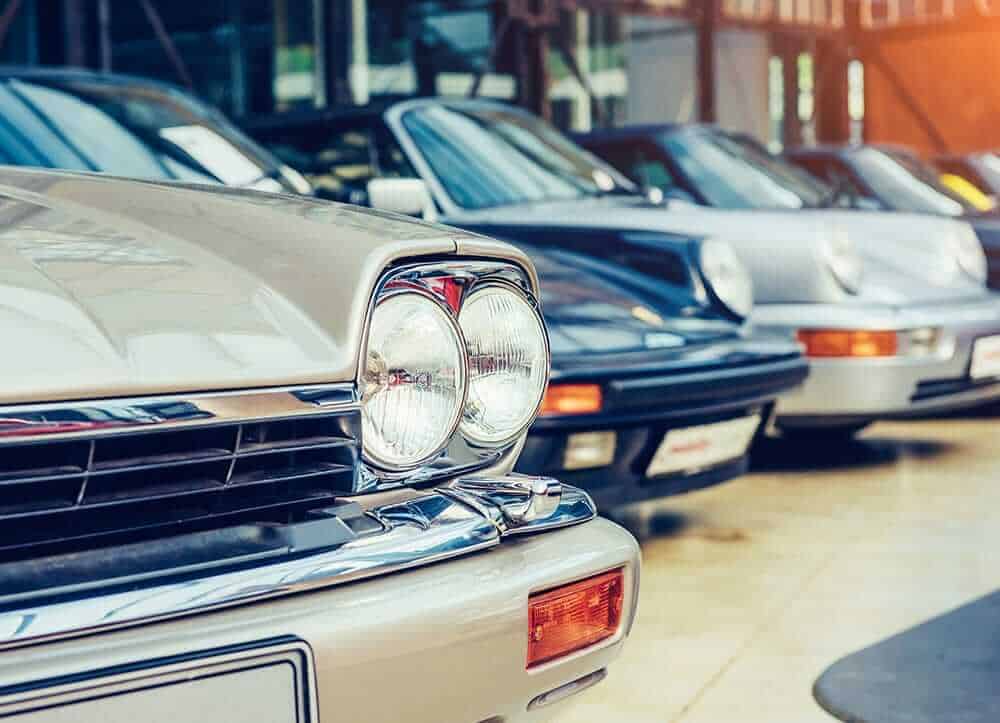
(787, 71)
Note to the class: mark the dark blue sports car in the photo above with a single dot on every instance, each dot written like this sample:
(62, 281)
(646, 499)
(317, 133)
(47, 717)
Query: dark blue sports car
(652, 393)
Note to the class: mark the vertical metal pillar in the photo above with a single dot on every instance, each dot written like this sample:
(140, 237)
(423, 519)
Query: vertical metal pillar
(74, 20)
(237, 59)
(104, 31)
(337, 25)
(708, 21)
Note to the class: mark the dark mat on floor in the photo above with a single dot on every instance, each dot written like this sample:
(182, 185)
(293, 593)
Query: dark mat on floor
(944, 671)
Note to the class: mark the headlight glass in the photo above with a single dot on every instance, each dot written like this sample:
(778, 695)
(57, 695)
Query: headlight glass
(970, 255)
(508, 364)
(414, 381)
(727, 276)
(844, 262)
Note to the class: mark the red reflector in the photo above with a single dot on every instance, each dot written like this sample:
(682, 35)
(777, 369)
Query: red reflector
(574, 617)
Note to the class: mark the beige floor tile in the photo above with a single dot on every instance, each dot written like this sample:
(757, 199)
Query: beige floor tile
(764, 582)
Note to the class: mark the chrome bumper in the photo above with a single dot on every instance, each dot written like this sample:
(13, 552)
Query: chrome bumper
(438, 643)
(841, 390)
(413, 529)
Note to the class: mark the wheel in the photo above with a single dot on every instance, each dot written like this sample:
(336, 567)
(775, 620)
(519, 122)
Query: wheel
(833, 433)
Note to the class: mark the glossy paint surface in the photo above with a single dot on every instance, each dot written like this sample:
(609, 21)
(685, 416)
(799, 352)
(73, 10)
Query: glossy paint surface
(113, 288)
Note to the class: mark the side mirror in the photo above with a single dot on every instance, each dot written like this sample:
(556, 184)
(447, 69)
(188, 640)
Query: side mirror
(407, 196)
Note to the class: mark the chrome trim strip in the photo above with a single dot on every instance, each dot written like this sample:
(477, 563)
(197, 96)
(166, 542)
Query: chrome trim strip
(92, 418)
(570, 689)
(417, 530)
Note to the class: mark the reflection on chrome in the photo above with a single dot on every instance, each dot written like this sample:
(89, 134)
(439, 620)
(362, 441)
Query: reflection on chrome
(470, 515)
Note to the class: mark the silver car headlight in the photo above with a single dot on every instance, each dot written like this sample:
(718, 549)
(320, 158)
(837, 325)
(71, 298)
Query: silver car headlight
(727, 277)
(508, 356)
(969, 254)
(414, 381)
(844, 262)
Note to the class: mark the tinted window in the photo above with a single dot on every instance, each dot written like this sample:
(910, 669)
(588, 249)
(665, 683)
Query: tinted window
(490, 156)
(342, 160)
(138, 131)
(900, 187)
(639, 159)
(731, 174)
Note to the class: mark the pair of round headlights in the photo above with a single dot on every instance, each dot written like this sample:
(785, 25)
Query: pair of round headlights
(428, 373)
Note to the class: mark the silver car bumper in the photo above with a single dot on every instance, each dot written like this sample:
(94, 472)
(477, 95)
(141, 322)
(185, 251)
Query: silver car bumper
(857, 390)
(445, 642)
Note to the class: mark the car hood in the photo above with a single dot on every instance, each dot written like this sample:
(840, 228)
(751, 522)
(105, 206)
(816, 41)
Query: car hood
(587, 314)
(113, 288)
(907, 258)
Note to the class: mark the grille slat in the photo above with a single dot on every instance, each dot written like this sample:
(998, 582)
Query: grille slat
(101, 489)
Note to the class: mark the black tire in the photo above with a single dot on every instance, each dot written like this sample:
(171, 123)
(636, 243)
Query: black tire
(834, 433)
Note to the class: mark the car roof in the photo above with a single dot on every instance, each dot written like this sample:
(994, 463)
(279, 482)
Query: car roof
(634, 131)
(821, 151)
(67, 73)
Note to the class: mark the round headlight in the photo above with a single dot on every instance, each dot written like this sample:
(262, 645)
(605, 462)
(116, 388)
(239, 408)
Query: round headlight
(414, 382)
(844, 262)
(970, 255)
(508, 364)
(727, 276)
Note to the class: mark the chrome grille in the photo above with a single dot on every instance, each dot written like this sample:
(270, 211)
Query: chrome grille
(76, 491)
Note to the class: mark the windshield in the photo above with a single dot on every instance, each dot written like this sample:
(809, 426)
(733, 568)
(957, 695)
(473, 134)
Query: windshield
(903, 185)
(137, 131)
(490, 156)
(734, 174)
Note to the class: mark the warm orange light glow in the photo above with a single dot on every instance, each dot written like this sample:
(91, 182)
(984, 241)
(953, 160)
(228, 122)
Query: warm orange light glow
(572, 399)
(830, 343)
(574, 617)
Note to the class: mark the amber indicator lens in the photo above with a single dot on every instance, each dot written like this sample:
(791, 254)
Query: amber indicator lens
(563, 399)
(829, 343)
(574, 617)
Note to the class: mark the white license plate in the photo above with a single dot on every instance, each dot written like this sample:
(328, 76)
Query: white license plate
(697, 448)
(986, 357)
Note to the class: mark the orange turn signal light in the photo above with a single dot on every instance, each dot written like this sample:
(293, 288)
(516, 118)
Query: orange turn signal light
(829, 343)
(572, 399)
(573, 617)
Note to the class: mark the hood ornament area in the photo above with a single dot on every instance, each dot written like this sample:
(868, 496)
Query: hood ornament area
(522, 504)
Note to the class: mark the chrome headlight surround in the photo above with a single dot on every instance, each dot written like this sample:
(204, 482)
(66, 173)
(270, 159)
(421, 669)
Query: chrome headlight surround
(390, 379)
(969, 254)
(450, 283)
(726, 278)
(840, 254)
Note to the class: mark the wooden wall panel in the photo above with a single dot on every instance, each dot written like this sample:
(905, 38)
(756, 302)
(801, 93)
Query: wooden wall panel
(951, 78)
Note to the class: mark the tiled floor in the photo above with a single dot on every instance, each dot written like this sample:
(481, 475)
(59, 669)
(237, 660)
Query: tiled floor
(752, 589)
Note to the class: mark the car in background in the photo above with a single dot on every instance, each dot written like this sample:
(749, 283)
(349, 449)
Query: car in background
(79, 120)
(892, 180)
(654, 391)
(897, 326)
(981, 169)
(255, 447)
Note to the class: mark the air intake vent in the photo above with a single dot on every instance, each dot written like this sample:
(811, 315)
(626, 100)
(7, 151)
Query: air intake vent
(58, 496)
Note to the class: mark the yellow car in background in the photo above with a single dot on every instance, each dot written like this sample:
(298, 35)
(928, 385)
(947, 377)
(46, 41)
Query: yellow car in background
(966, 189)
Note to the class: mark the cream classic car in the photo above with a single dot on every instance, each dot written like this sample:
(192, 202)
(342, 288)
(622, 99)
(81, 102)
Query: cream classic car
(254, 467)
